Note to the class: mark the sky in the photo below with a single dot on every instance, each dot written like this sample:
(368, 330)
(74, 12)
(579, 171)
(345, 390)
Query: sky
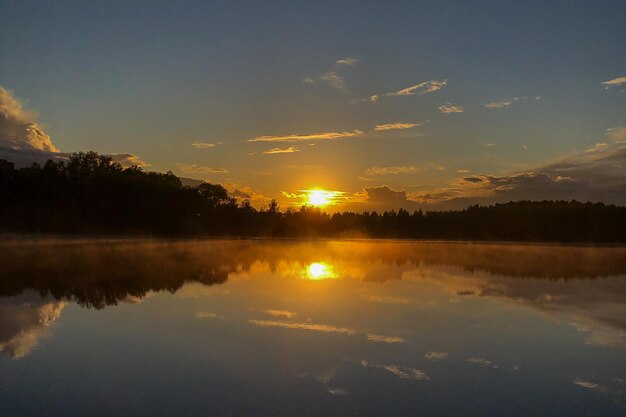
(389, 104)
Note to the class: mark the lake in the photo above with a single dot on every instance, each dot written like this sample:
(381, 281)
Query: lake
(310, 328)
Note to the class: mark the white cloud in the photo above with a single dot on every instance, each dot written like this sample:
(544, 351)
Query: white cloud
(19, 128)
(347, 61)
(308, 137)
(450, 108)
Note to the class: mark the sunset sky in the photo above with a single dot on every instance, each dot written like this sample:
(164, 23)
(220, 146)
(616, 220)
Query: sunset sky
(415, 104)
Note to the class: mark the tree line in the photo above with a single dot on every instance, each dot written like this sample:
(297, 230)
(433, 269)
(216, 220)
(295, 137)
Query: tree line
(91, 194)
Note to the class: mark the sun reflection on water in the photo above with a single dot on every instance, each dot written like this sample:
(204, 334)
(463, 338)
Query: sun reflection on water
(317, 271)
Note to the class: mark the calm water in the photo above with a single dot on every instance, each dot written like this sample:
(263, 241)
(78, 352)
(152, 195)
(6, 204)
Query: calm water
(279, 328)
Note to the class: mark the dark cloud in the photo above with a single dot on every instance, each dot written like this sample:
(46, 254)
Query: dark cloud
(384, 194)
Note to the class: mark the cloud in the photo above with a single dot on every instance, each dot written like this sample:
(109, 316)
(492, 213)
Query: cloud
(597, 173)
(371, 337)
(19, 128)
(280, 313)
(290, 149)
(332, 77)
(204, 145)
(25, 319)
(23, 141)
(406, 373)
(347, 61)
(590, 385)
(205, 315)
(26, 157)
(421, 88)
(505, 102)
(200, 170)
(308, 137)
(394, 170)
(303, 326)
(335, 80)
(128, 159)
(487, 363)
(614, 82)
(436, 356)
(450, 108)
(396, 126)
(244, 192)
(384, 194)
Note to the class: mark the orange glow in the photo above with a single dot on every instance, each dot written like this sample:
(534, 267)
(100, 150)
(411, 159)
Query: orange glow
(320, 270)
(321, 198)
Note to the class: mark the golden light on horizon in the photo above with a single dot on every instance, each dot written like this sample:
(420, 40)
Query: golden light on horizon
(320, 197)
(317, 271)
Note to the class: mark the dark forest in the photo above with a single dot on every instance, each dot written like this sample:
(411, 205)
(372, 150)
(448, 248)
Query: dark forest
(91, 194)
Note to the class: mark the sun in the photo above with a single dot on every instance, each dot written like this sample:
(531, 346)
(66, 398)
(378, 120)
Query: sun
(319, 198)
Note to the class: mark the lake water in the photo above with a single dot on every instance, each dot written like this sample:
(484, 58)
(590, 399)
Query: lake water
(310, 328)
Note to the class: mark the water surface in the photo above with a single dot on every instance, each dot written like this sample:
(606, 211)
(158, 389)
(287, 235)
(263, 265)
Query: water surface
(296, 328)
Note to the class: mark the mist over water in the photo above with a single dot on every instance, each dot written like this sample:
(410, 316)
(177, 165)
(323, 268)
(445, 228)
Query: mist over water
(297, 327)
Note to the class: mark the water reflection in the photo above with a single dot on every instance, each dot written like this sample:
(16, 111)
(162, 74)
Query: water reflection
(323, 327)
(320, 270)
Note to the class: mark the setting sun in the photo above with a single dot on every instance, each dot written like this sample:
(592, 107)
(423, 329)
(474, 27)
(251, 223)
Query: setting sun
(321, 198)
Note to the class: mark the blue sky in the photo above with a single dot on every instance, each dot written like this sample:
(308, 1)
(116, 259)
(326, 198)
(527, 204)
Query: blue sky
(153, 78)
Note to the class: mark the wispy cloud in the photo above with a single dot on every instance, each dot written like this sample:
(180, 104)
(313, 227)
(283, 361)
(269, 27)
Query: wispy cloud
(128, 159)
(505, 102)
(396, 126)
(614, 82)
(205, 315)
(335, 80)
(280, 313)
(324, 328)
(436, 356)
(379, 338)
(199, 169)
(307, 137)
(421, 88)
(406, 373)
(332, 77)
(205, 145)
(450, 108)
(273, 151)
(347, 61)
(393, 170)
